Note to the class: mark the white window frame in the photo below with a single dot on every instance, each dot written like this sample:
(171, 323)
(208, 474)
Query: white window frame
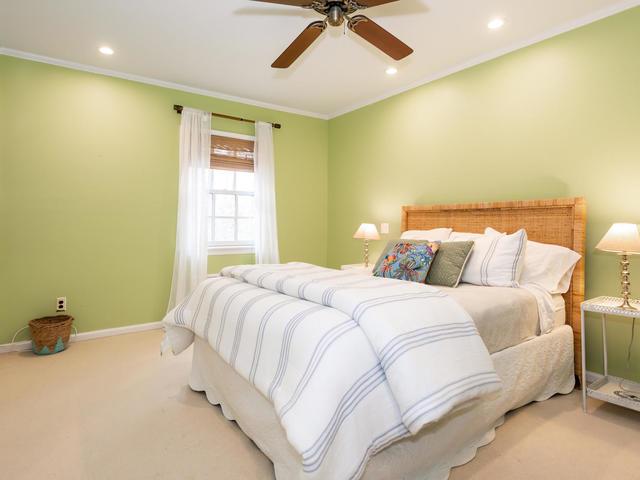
(230, 248)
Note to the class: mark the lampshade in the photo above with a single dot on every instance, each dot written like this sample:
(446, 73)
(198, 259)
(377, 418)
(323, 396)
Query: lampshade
(367, 231)
(621, 238)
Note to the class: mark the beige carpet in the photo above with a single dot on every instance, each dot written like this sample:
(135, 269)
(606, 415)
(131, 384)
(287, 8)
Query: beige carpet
(114, 409)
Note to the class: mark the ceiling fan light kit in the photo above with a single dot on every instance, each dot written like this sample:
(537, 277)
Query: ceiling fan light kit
(336, 13)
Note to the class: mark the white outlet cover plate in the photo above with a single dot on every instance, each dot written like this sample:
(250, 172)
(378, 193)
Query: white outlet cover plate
(61, 304)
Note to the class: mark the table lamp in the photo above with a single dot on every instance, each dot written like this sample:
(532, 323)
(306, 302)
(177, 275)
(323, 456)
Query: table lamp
(623, 239)
(367, 231)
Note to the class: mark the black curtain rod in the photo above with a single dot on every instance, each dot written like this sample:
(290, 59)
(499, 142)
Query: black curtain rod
(178, 108)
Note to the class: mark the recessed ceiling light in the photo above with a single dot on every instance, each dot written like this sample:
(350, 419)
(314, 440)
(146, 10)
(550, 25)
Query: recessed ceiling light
(106, 50)
(495, 23)
(391, 71)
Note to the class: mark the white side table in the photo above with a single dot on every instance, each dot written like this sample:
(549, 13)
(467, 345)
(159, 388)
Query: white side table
(607, 388)
(359, 268)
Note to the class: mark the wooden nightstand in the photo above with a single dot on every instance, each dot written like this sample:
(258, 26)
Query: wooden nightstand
(359, 268)
(607, 388)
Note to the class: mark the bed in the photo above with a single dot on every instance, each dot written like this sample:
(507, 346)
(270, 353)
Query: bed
(555, 221)
(531, 367)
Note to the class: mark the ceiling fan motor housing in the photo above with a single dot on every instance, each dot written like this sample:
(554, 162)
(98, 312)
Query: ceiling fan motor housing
(335, 16)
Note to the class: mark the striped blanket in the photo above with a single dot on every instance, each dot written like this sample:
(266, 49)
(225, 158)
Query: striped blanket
(351, 363)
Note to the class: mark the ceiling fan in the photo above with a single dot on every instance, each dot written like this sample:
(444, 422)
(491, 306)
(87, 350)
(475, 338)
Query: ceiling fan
(336, 13)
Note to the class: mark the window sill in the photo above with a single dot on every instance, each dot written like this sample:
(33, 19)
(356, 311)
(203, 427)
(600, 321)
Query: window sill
(231, 250)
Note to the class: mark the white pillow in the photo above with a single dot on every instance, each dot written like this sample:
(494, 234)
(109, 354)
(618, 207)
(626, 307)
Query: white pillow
(435, 234)
(496, 259)
(548, 266)
(463, 236)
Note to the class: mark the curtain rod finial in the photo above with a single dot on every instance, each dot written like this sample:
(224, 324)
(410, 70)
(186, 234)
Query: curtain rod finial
(178, 108)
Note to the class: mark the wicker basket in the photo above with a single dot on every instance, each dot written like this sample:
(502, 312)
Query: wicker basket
(50, 334)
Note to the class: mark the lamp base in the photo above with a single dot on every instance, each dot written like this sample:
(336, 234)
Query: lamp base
(366, 253)
(625, 283)
(626, 305)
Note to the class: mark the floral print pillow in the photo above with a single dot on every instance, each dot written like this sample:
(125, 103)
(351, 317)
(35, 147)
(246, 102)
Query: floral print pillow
(406, 260)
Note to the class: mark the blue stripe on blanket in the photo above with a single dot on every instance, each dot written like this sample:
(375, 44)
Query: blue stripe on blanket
(321, 348)
(205, 290)
(240, 324)
(241, 272)
(178, 314)
(280, 283)
(212, 304)
(425, 338)
(260, 280)
(225, 312)
(286, 345)
(443, 395)
(303, 286)
(367, 383)
(260, 337)
(434, 328)
(361, 308)
(329, 293)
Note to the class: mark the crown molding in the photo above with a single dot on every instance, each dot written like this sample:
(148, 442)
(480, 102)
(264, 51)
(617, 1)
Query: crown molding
(153, 81)
(566, 27)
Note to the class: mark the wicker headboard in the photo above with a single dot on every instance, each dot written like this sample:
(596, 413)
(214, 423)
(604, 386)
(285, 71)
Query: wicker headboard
(557, 221)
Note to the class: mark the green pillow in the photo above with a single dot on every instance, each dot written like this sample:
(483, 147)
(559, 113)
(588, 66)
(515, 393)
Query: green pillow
(450, 260)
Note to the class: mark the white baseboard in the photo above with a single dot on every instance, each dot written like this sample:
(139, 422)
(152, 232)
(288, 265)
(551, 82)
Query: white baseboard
(80, 337)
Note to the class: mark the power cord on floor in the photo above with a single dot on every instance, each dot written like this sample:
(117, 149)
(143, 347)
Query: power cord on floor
(633, 334)
(18, 332)
(627, 392)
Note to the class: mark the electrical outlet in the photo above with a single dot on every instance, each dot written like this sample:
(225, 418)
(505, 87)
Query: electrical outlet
(384, 228)
(61, 304)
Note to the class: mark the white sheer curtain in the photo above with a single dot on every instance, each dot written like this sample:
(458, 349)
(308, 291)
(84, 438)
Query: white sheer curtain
(190, 263)
(265, 195)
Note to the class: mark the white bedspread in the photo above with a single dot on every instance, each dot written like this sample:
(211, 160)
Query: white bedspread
(350, 363)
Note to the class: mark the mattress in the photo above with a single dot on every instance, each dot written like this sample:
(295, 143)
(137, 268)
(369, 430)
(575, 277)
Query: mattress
(559, 312)
(531, 371)
(503, 316)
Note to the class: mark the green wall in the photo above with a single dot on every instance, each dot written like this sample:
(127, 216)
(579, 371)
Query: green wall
(557, 119)
(88, 171)
(88, 193)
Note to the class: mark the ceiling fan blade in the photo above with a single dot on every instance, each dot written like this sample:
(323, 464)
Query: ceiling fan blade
(293, 3)
(379, 37)
(374, 3)
(299, 45)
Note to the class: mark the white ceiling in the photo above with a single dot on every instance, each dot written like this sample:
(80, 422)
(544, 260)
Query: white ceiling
(228, 45)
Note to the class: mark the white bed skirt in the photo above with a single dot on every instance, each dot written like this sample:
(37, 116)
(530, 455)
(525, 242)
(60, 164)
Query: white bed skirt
(531, 371)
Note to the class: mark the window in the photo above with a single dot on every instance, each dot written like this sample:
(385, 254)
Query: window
(231, 217)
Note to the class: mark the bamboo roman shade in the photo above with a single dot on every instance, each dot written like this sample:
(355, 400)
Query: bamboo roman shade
(231, 153)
